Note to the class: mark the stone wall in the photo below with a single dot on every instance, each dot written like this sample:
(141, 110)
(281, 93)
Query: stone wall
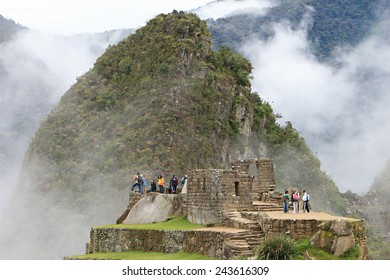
(264, 176)
(212, 192)
(295, 228)
(338, 236)
(166, 241)
(333, 236)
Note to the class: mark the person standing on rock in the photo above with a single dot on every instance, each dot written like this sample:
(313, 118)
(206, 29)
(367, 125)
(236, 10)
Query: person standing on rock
(305, 199)
(184, 184)
(137, 182)
(160, 183)
(173, 183)
(143, 180)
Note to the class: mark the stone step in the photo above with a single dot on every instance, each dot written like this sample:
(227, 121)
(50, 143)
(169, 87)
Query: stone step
(234, 213)
(238, 238)
(248, 253)
(254, 242)
(255, 228)
(239, 247)
(257, 238)
(242, 253)
(247, 235)
(242, 221)
(268, 208)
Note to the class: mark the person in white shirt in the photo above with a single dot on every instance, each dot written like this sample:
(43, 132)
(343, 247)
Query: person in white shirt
(305, 199)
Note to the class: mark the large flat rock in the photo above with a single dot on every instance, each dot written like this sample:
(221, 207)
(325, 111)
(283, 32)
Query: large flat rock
(152, 208)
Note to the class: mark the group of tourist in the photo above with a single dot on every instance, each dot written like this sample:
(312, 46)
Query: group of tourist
(174, 187)
(289, 198)
(293, 198)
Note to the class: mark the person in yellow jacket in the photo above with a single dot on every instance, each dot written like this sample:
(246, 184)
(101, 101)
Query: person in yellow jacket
(160, 183)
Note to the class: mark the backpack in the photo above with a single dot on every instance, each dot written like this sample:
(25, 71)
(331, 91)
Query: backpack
(139, 179)
(295, 197)
(284, 198)
(308, 197)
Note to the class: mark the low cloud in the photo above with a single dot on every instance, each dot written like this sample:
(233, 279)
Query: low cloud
(341, 111)
(220, 9)
(35, 71)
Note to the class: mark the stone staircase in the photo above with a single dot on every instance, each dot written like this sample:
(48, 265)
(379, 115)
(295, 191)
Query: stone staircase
(243, 243)
(266, 206)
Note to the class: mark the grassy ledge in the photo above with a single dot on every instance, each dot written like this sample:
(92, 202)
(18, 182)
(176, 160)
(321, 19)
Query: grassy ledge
(175, 223)
(136, 255)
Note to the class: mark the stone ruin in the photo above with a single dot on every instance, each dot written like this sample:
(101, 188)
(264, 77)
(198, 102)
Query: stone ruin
(211, 193)
(230, 198)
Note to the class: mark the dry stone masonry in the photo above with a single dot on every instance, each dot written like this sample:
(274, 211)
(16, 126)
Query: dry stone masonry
(244, 199)
(262, 171)
(211, 193)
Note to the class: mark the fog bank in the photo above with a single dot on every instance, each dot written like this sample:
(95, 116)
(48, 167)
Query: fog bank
(341, 111)
(35, 71)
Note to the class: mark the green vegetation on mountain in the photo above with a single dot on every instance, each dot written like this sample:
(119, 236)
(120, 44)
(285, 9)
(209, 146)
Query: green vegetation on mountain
(331, 24)
(159, 102)
(162, 102)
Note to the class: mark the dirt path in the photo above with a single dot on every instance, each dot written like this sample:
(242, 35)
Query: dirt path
(223, 229)
(283, 216)
(305, 216)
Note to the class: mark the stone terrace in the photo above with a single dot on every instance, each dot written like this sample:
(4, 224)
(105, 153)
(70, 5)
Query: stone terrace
(240, 207)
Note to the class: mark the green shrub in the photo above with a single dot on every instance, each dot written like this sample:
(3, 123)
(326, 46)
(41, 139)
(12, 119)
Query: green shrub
(279, 247)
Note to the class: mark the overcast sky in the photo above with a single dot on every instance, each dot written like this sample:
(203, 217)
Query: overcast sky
(89, 16)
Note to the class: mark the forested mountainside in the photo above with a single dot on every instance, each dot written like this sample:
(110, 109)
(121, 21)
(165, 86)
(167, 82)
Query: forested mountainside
(159, 102)
(8, 28)
(330, 24)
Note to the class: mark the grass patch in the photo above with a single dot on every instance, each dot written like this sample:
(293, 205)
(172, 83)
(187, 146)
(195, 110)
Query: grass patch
(176, 223)
(136, 255)
(303, 246)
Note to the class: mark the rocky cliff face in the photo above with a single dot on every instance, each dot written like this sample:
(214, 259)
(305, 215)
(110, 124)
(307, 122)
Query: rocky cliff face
(369, 207)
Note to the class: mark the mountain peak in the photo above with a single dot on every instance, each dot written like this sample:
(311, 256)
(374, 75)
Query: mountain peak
(168, 44)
